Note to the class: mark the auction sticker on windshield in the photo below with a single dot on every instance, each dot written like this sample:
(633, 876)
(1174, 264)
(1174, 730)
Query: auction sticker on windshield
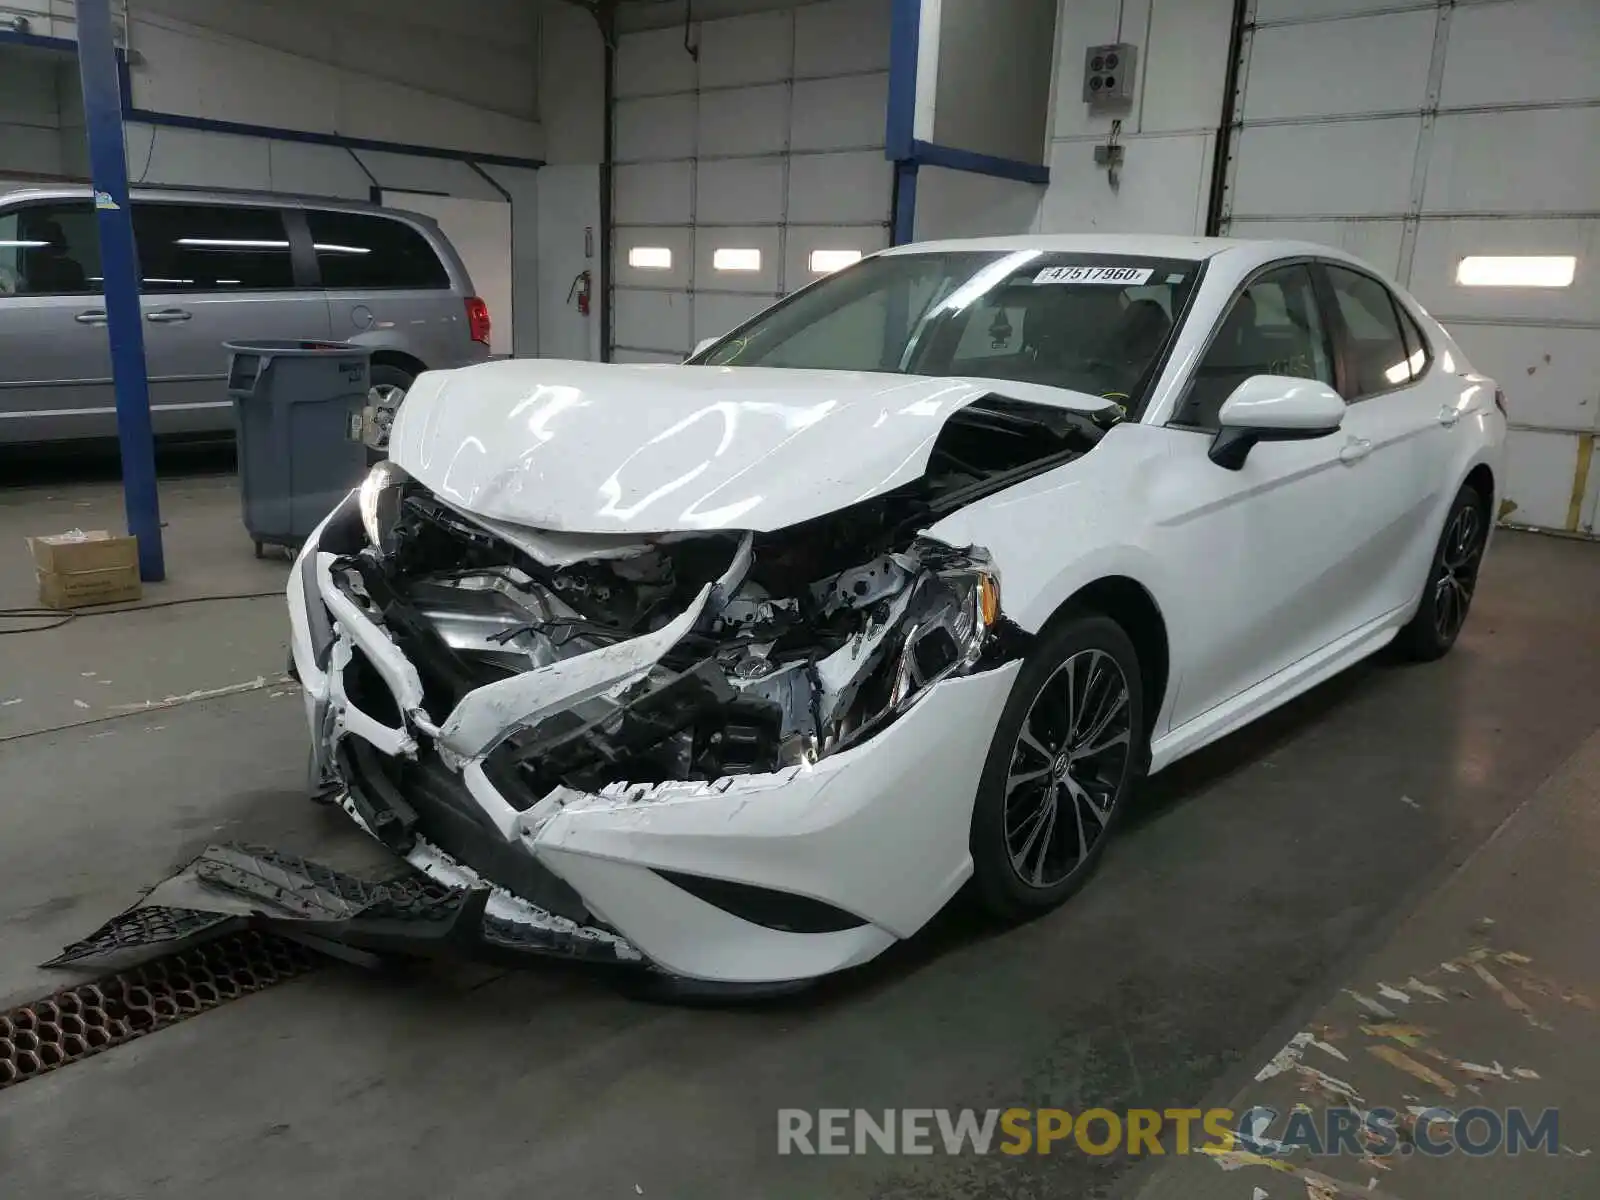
(1122, 276)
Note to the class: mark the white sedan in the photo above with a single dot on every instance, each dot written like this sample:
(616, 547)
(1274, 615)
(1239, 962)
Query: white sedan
(741, 669)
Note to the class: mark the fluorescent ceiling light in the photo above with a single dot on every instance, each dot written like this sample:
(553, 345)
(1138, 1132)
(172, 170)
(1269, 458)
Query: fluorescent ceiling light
(1506, 270)
(650, 258)
(331, 249)
(234, 244)
(4, 245)
(824, 262)
(733, 259)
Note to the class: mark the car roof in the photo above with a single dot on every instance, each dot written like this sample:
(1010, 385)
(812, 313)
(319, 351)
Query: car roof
(1245, 252)
(74, 191)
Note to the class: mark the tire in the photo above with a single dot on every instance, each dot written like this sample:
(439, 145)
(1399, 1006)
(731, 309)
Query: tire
(1452, 580)
(1028, 861)
(386, 386)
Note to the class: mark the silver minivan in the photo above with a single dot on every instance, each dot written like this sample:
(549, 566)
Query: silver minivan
(216, 267)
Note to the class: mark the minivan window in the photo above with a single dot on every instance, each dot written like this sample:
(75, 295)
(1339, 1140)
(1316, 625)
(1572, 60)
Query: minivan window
(211, 248)
(50, 249)
(358, 251)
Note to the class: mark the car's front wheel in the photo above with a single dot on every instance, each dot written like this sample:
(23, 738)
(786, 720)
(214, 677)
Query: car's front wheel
(1068, 748)
(1452, 580)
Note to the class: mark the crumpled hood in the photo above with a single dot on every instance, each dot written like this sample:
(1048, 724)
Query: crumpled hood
(608, 448)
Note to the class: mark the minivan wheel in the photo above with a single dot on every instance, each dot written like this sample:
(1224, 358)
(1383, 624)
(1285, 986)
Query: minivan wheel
(1068, 749)
(387, 387)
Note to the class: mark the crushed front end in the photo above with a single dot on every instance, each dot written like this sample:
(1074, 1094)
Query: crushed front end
(738, 757)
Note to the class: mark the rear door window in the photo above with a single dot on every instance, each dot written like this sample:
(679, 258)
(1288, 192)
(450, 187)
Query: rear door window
(211, 248)
(1375, 354)
(50, 249)
(364, 252)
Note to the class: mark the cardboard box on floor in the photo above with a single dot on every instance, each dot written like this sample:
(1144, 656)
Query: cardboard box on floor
(80, 568)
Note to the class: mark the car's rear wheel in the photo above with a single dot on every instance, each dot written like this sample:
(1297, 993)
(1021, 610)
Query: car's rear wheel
(1452, 580)
(1069, 746)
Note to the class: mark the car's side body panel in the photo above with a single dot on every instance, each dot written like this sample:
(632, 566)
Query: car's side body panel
(1269, 579)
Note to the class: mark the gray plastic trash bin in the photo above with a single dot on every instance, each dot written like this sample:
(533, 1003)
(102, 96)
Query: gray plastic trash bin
(299, 409)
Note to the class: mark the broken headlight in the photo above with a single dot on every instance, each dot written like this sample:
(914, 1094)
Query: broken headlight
(379, 501)
(947, 625)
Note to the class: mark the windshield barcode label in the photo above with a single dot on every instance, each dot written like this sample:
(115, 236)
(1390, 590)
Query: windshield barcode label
(1126, 276)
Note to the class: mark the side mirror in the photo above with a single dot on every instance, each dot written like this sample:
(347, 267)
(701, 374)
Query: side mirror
(702, 344)
(1274, 408)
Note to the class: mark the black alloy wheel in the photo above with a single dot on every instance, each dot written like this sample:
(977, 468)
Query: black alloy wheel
(1068, 747)
(1452, 580)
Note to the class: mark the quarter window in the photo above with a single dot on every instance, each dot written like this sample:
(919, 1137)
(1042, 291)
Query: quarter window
(1273, 328)
(1417, 353)
(211, 248)
(1376, 357)
(363, 252)
(50, 249)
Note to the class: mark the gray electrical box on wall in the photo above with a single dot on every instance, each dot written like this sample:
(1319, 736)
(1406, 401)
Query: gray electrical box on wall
(1108, 75)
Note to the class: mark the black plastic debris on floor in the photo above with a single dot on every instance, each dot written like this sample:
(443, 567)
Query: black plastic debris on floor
(229, 888)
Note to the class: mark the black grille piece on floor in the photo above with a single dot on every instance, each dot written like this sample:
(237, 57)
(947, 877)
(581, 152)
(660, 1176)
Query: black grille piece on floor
(80, 1021)
(288, 896)
(142, 933)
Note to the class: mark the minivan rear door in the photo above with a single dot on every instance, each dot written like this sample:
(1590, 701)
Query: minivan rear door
(55, 356)
(387, 287)
(214, 272)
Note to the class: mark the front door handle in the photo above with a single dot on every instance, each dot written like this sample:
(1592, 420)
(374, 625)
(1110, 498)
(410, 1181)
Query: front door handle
(163, 316)
(91, 316)
(1355, 450)
(1449, 415)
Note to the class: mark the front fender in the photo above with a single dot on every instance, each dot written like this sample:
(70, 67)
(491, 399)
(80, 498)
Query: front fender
(1084, 521)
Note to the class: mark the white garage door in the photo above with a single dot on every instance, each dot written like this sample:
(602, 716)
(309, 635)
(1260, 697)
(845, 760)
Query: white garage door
(739, 173)
(1427, 134)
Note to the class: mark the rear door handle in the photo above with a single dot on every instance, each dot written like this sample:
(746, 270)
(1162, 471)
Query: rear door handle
(1355, 450)
(1449, 415)
(163, 316)
(91, 316)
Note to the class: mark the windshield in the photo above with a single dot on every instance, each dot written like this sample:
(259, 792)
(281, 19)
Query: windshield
(1095, 323)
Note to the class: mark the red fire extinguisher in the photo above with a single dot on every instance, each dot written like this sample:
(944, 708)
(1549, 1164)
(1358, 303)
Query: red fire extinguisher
(580, 290)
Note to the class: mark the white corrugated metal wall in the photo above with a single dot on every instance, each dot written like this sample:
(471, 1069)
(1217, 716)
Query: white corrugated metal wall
(772, 141)
(1427, 132)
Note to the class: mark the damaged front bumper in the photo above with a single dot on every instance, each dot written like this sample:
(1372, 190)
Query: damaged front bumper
(748, 878)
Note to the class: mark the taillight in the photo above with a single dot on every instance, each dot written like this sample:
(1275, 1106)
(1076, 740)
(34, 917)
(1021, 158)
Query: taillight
(1500, 402)
(478, 319)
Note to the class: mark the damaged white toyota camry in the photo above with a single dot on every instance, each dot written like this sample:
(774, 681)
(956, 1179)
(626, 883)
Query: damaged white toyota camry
(742, 668)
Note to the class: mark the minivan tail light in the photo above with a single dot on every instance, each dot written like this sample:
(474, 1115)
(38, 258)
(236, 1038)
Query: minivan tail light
(478, 319)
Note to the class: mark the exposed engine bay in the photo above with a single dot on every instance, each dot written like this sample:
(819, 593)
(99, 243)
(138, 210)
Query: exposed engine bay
(812, 638)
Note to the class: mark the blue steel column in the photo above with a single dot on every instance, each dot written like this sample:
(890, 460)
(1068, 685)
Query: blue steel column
(905, 32)
(102, 111)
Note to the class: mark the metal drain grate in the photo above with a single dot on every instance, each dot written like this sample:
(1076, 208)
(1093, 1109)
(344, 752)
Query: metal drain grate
(77, 1022)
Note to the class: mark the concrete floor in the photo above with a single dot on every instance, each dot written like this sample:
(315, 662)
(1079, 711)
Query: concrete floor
(1252, 884)
(1492, 986)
